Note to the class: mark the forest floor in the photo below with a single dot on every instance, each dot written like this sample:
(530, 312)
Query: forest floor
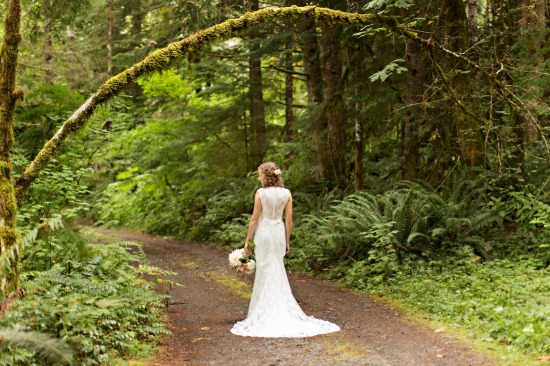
(212, 298)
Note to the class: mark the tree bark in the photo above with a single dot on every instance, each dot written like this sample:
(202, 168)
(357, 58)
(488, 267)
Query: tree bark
(359, 143)
(418, 76)
(257, 108)
(47, 49)
(454, 29)
(289, 97)
(334, 119)
(9, 54)
(502, 27)
(308, 38)
(472, 26)
(109, 38)
(532, 26)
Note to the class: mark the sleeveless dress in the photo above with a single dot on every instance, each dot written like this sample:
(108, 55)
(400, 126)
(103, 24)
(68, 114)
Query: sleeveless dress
(273, 311)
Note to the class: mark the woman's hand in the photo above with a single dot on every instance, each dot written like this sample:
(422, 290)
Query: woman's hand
(246, 250)
(287, 249)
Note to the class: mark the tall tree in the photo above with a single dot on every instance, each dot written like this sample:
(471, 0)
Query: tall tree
(47, 49)
(110, 11)
(257, 108)
(454, 34)
(333, 118)
(9, 53)
(289, 92)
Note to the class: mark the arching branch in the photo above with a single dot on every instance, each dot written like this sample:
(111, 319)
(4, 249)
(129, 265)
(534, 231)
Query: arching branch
(163, 58)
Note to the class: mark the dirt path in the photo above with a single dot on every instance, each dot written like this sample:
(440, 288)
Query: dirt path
(212, 298)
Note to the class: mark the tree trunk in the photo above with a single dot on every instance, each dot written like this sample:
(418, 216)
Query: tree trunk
(9, 53)
(418, 76)
(257, 110)
(334, 119)
(532, 27)
(307, 36)
(454, 30)
(472, 26)
(361, 93)
(109, 38)
(502, 27)
(289, 97)
(359, 142)
(47, 49)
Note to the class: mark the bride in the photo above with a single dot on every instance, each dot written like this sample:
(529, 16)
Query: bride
(273, 311)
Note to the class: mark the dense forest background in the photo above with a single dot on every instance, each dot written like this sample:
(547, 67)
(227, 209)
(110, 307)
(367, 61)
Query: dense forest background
(424, 156)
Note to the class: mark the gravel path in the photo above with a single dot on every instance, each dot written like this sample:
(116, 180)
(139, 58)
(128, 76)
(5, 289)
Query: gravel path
(212, 298)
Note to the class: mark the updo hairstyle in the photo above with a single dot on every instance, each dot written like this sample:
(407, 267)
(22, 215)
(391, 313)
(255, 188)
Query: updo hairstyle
(272, 174)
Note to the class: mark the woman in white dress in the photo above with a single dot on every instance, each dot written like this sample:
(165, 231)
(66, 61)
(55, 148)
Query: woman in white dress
(273, 311)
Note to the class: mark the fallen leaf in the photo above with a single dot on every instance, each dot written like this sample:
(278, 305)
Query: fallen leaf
(544, 358)
(199, 339)
(205, 328)
(440, 356)
(440, 330)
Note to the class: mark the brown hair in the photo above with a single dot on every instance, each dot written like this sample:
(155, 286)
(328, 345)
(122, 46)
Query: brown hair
(268, 169)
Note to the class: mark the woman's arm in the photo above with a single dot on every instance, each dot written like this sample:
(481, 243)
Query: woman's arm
(253, 221)
(288, 222)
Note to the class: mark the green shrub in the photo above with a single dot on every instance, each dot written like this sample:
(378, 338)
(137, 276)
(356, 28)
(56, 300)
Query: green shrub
(381, 231)
(98, 304)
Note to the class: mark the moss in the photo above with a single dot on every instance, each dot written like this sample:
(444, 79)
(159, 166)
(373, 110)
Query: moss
(8, 208)
(5, 168)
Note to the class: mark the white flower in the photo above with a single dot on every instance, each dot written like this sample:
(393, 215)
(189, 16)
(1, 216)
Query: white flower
(235, 256)
(277, 171)
(498, 309)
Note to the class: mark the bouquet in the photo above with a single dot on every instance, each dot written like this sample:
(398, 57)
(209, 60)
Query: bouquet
(241, 262)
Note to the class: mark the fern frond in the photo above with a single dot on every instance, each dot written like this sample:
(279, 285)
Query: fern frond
(42, 345)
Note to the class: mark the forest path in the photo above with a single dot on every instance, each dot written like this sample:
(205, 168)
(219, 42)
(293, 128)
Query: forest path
(212, 298)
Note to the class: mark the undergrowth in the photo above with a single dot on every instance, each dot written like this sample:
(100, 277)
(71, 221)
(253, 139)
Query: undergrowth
(99, 304)
(439, 255)
(501, 302)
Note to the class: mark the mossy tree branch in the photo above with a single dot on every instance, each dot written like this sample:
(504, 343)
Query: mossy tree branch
(167, 56)
(8, 96)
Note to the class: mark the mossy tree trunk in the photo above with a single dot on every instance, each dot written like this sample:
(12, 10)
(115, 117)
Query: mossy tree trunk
(9, 251)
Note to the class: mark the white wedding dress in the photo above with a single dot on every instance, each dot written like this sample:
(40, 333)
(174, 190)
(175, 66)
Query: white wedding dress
(273, 311)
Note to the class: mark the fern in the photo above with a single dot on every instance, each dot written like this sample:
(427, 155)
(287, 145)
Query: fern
(43, 346)
(406, 222)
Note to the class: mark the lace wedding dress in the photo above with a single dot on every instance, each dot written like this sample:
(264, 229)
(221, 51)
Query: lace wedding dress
(273, 311)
